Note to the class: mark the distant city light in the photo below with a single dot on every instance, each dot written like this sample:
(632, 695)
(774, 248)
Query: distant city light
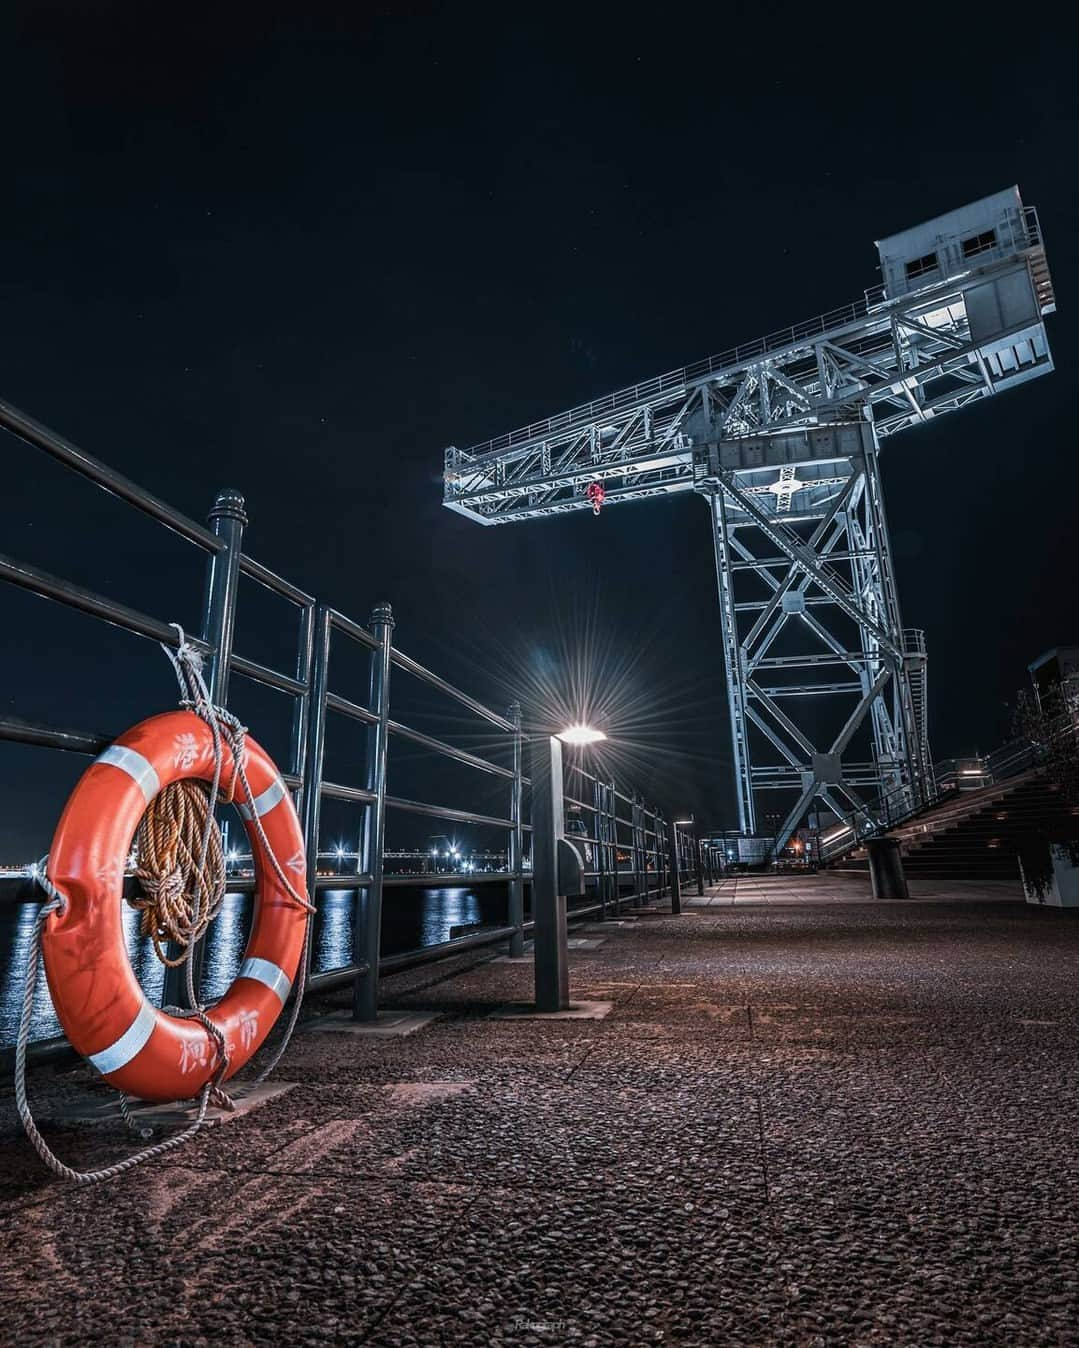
(580, 734)
(340, 851)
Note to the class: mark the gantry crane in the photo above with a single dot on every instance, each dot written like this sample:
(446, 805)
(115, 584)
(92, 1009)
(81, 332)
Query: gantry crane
(782, 436)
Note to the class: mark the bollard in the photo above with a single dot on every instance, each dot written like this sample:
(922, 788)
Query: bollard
(886, 869)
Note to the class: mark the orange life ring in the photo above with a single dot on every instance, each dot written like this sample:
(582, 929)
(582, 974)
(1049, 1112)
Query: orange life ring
(103, 1010)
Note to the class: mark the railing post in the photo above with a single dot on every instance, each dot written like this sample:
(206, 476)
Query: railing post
(657, 849)
(548, 906)
(652, 851)
(367, 938)
(698, 860)
(612, 835)
(676, 877)
(227, 520)
(658, 858)
(516, 912)
(313, 754)
(298, 743)
(599, 819)
(635, 830)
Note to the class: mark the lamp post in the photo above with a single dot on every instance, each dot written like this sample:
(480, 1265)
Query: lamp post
(556, 866)
(690, 822)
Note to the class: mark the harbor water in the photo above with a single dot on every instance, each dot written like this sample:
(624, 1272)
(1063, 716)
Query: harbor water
(411, 918)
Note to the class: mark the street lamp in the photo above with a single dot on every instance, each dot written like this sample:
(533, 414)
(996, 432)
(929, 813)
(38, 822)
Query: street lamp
(691, 822)
(557, 868)
(580, 734)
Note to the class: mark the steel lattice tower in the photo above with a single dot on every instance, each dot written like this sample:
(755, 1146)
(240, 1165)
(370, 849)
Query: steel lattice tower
(782, 436)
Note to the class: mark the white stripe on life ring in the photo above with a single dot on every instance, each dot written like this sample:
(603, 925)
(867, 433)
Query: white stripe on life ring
(265, 971)
(140, 769)
(264, 803)
(131, 1042)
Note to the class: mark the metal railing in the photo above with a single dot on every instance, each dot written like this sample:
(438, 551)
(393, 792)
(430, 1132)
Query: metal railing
(642, 846)
(314, 697)
(867, 821)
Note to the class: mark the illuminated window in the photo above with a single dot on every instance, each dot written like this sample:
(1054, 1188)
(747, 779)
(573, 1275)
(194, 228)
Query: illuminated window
(980, 243)
(920, 266)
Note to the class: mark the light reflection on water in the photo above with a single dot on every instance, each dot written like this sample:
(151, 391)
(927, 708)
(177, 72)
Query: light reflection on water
(410, 918)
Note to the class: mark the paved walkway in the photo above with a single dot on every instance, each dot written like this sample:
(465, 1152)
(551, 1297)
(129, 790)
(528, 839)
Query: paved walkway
(824, 1123)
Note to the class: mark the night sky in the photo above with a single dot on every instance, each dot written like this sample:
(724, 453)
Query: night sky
(300, 254)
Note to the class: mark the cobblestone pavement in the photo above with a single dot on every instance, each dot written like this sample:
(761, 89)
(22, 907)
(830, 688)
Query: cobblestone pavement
(817, 1122)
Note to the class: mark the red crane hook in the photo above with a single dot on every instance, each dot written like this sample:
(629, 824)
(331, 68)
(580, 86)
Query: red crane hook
(597, 494)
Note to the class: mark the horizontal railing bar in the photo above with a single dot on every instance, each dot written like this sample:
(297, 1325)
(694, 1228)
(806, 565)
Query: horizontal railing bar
(245, 884)
(448, 750)
(351, 628)
(411, 666)
(334, 702)
(39, 1051)
(15, 729)
(41, 437)
(273, 678)
(41, 583)
(272, 581)
(444, 812)
(573, 767)
(329, 979)
(408, 959)
(583, 804)
(343, 881)
(585, 910)
(463, 880)
(355, 793)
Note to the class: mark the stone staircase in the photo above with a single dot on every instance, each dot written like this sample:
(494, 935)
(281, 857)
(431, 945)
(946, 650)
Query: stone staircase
(975, 836)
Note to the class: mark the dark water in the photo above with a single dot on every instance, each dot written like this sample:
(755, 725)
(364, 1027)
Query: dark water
(410, 918)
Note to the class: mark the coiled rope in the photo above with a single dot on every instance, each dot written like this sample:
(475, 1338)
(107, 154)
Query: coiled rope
(168, 846)
(182, 871)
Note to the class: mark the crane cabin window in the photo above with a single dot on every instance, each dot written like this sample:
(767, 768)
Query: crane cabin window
(979, 243)
(921, 266)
